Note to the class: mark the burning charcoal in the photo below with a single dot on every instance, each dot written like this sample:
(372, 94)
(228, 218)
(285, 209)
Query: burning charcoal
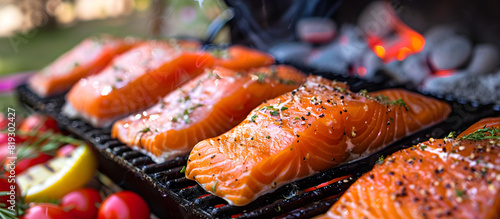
(370, 63)
(415, 69)
(485, 59)
(316, 30)
(443, 84)
(329, 59)
(481, 88)
(377, 19)
(352, 43)
(436, 36)
(451, 54)
(293, 52)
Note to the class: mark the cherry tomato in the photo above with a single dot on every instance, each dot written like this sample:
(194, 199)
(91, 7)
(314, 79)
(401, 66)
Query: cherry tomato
(82, 203)
(66, 150)
(124, 205)
(12, 188)
(38, 122)
(26, 163)
(4, 138)
(45, 211)
(3, 121)
(4, 150)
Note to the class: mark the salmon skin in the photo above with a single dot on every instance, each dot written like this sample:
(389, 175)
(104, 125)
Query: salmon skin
(241, 58)
(134, 81)
(205, 107)
(439, 178)
(317, 126)
(89, 57)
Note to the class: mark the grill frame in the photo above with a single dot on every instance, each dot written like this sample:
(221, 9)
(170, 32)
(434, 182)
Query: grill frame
(170, 194)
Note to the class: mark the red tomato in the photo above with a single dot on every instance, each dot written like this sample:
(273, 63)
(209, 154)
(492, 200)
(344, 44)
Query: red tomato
(38, 121)
(12, 188)
(29, 162)
(82, 203)
(124, 205)
(4, 150)
(45, 211)
(4, 138)
(66, 150)
(3, 121)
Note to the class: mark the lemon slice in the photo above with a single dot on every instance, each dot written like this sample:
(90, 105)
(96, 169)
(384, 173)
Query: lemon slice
(59, 176)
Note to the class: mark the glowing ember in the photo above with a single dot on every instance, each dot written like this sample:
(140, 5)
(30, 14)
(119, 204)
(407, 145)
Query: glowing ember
(402, 43)
(445, 73)
(361, 71)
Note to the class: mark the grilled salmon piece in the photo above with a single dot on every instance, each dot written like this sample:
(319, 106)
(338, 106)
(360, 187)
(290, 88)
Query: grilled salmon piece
(444, 178)
(205, 107)
(317, 126)
(241, 58)
(134, 81)
(89, 57)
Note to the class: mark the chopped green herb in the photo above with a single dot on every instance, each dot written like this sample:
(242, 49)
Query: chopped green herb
(423, 147)
(381, 98)
(363, 93)
(399, 102)
(253, 118)
(186, 119)
(183, 170)
(297, 118)
(284, 108)
(174, 119)
(261, 77)
(380, 160)
(119, 79)
(278, 209)
(286, 81)
(274, 113)
(146, 129)
(390, 118)
(480, 134)
(459, 193)
(214, 187)
(451, 135)
(268, 137)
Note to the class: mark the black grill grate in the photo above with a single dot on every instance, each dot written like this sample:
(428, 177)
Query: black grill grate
(165, 188)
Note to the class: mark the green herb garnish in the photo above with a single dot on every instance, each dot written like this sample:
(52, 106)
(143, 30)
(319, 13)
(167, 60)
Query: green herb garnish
(399, 102)
(183, 170)
(214, 187)
(423, 147)
(380, 160)
(480, 134)
(253, 118)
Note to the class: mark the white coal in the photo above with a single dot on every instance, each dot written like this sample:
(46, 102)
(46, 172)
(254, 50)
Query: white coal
(292, 52)
(451, 54)
(485, 59)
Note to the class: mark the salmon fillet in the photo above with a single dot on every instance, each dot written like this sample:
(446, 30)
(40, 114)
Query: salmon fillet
(444, 178)
(134, 81)
(87, 58)
(241, 58)
(319, 125)
(205, 107)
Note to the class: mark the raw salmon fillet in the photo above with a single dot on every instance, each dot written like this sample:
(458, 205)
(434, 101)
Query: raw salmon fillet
(87, 58)
(240, 58)
(134, 81)
(444, 178)
(205, 107)
(313, 128)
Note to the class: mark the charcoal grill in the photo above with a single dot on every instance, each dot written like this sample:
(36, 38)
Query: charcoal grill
(171, 195)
